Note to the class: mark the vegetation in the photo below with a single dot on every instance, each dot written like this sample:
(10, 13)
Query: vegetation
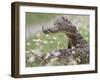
(41, 44)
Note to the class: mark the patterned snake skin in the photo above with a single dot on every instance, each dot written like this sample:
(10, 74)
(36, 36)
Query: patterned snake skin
(78, 48)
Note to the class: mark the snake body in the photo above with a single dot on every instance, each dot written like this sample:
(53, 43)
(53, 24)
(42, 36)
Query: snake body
(78, 47)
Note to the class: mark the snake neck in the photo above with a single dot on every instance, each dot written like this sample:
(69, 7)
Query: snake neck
(76, 39)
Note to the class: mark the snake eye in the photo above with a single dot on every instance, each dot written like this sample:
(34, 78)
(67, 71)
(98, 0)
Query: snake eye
(45, 31)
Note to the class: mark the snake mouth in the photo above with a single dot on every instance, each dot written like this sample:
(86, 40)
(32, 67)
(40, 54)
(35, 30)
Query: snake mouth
(55, 30)
(50, 30)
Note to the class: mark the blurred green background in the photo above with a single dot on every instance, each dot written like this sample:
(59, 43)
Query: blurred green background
(39, 43)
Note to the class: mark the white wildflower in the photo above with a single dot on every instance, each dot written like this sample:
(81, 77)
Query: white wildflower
(59, 43)
(34, 40)
(31, 59)
(53, 61)
(51, 41)
(47, 35)
(38, 40)
(28, 43)
(54, 38)
(32, 51)
(27, 51)
(45, 42)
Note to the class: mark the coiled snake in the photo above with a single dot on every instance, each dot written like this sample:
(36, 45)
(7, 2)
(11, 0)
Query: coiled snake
(78, 48)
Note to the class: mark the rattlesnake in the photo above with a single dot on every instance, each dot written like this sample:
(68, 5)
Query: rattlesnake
(78, 47)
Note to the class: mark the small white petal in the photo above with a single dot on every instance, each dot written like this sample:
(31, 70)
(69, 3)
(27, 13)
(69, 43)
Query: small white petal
(33, 51)
(34, 40)
(27, 51)
(38, 40)
(51, 41)
(54, 38)
(47, 35)
(86, 38)
(45, 42)
(28, 43)
(58, 43)
(31, 59)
